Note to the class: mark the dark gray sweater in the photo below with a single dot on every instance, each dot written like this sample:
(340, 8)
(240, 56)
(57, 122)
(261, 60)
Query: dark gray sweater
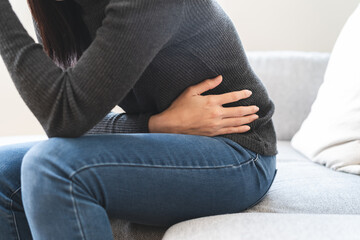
(144, 54)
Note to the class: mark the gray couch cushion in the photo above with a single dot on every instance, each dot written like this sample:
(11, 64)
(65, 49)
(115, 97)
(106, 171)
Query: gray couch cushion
(265, 226)
(292, 80)
(302, 186)
(125, 230)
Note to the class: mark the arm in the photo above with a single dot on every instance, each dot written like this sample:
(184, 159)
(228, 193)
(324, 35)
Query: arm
(115, 122)
(70, 102)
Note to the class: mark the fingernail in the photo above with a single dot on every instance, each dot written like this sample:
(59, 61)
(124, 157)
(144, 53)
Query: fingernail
(249, 92)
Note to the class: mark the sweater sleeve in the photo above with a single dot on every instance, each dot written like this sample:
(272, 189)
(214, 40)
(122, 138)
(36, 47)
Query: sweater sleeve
(122, 123)
(114, 122)
(68, 103)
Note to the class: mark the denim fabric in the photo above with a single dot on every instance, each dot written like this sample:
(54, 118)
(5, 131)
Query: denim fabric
(71, 187)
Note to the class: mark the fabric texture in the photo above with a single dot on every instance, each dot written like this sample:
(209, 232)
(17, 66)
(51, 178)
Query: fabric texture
(143, 55)
(330, 135)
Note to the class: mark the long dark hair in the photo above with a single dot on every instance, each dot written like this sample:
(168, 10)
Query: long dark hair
(62, 30)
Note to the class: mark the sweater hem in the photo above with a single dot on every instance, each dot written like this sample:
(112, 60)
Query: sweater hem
(260, 147)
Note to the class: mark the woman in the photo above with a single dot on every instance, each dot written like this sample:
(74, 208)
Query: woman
(185, 148)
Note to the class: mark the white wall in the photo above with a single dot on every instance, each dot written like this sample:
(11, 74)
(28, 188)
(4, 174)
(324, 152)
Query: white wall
(16, 118)
(303, 25)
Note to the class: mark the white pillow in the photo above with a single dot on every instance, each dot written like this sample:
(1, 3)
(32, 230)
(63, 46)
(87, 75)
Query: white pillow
(330, 135)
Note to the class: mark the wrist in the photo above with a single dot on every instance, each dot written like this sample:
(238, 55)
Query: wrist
(153, 124)
(158, 124)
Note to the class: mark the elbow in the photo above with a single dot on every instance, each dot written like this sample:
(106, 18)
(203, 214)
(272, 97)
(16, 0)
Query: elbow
(70, 122)
(63, 134)
(68, 132)
(63, 123)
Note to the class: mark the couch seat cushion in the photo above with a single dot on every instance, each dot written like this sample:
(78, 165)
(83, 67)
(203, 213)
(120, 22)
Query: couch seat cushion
(302, 186)
(264, 226)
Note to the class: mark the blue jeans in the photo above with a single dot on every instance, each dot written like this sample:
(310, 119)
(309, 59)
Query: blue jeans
(69, 188)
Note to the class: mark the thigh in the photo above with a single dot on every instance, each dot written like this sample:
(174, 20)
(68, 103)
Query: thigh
(152, 149)
(158, 179)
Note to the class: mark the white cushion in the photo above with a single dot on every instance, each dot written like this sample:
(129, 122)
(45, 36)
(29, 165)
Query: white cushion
(330, 135)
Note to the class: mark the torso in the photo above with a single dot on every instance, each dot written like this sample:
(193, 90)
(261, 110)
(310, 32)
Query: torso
(207, 45)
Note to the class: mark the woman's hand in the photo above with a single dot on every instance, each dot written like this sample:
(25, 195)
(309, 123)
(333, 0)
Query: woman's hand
(192, 113)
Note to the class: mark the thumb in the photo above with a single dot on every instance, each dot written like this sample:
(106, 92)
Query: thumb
(207, 84)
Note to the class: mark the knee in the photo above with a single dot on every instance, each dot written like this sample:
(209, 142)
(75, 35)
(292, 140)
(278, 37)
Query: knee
(45, 174)
(43, 164)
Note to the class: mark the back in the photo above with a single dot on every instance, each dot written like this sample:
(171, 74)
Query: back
(206, 45)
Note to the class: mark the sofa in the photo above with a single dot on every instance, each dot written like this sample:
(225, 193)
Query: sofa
(306, 201)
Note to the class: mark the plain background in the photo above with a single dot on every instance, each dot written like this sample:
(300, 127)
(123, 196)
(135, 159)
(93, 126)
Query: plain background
(263, 25)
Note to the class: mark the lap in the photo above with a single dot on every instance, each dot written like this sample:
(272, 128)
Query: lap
(154, 178)
(144, 149)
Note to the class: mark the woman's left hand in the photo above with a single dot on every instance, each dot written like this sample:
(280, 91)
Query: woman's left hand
(193, 113)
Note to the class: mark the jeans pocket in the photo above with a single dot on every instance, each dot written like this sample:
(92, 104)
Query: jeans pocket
(253, 154)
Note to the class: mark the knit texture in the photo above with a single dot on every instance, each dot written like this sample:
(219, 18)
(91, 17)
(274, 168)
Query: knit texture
(143, 55)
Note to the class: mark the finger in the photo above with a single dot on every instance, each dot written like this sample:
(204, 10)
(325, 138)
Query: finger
(206, 85)
(238, 111)
(240, 129)
(236, 122)
(231, 96)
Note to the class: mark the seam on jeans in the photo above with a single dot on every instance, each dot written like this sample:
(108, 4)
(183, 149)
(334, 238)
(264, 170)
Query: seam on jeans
(257, 157)
(265, 194)
(159, 166)
(225, 140)
(12, 212)
(76, 211)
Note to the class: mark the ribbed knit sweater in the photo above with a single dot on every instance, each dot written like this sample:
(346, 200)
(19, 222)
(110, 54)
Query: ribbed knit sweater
(143, 55)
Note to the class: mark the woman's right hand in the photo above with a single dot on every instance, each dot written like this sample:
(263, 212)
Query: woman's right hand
(195, 114)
